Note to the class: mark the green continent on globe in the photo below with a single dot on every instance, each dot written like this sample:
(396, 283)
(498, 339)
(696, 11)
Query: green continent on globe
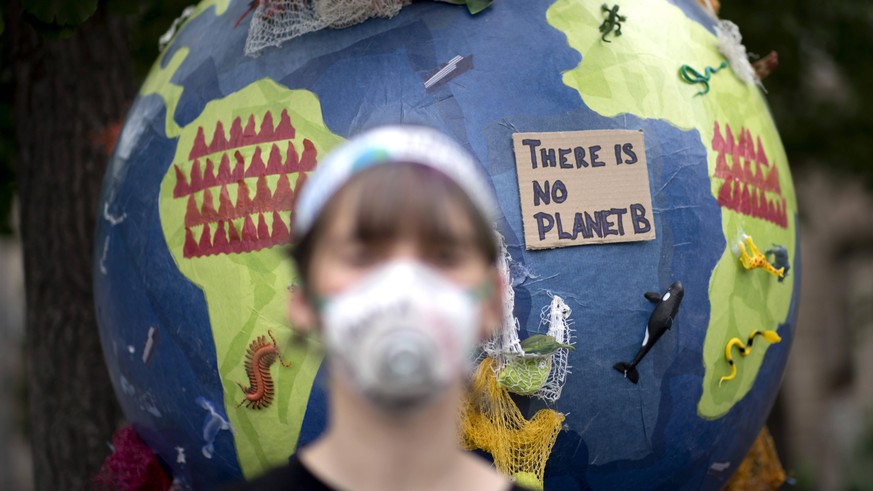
(225, 206)
(638, 74)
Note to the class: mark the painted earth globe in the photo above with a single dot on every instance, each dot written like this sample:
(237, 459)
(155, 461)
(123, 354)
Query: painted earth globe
(645, 205)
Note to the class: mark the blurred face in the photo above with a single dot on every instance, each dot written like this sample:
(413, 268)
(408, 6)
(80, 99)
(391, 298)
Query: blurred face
(342, 256)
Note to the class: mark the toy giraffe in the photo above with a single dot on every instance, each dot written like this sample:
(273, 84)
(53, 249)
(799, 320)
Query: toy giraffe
(757, 259)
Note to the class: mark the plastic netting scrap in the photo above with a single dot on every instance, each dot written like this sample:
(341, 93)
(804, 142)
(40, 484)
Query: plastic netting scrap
(544, 376)
(491, 421)
(761, 470)
(505, 341)
(277, 21)
(557, 316)
(132, 466)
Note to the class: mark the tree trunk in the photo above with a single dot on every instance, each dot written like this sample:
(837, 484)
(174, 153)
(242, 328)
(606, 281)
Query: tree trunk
(68, 94)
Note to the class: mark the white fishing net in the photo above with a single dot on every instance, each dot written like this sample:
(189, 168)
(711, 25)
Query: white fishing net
(535, 375)
(277, 21)
(730, 44)
(557, 316)
(505, 341)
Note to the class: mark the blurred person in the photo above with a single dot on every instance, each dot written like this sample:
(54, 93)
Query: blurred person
(396, 258)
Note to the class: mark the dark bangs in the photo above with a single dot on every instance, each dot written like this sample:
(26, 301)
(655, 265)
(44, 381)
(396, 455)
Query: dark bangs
(403, 200)
(411, 200)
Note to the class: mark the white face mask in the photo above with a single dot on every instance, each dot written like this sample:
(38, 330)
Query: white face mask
(402, 335)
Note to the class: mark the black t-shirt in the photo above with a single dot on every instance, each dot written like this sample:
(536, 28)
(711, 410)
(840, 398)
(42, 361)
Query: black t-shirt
(296, 477)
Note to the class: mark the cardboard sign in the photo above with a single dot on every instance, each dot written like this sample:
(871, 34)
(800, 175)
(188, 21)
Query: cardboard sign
(583, 187)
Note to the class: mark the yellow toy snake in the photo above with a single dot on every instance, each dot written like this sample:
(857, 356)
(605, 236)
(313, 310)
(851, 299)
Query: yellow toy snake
(770, 336)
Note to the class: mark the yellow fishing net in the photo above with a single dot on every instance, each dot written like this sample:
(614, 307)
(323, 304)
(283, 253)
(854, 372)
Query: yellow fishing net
(761, 469)
(491, 421)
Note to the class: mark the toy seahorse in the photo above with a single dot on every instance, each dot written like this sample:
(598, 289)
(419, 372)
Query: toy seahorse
(770, 336)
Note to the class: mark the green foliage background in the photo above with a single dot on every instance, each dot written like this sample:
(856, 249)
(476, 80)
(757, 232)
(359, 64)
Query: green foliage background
(821, 93)
(57, 19)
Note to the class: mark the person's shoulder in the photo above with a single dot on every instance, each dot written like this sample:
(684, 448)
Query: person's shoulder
(294, 476)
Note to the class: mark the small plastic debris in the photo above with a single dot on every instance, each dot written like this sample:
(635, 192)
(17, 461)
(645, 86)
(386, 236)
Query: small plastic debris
(180, 455)
(168, 36)
(212, 424)
(151, 344)
(764, 66)
(780, 259)
(126, 387)
(519, 273)
(456, 66)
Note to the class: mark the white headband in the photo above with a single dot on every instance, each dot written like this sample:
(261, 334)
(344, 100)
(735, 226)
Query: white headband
(386, 145)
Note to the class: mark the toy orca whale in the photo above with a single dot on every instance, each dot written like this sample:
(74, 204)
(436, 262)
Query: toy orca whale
(660, 321)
